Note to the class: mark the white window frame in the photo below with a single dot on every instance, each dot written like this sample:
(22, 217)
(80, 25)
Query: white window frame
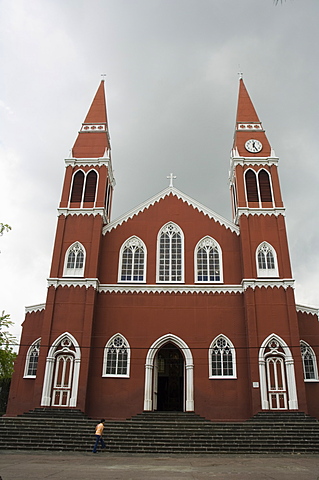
(267, 272)
(208, 242)
(84, 185)
(132, 242)
(314, 360)
(180, 231)
(210, 363)
(107, 346)
(33, 346)
(74, 272)
(258, 186)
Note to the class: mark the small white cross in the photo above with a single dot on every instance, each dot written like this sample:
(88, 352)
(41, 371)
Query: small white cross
(103, 75)
(171, 178)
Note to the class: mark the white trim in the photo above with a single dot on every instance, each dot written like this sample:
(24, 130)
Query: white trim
(290, 373)
(35, 308)
(267, 272)
(305, 309)
(180, 231)
(234, 363)
(180, 195)
(256, 283)
(94, 162)
(76, 272)
(49, 369)
(124, 244)
(220, 255)
(73, 282)
(83, 211)
(107, 345)
(189, 368)
(27, 358)
(314, 361)
(276, 211)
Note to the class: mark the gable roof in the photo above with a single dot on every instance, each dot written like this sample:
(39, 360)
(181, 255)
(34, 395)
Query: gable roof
(180, 195)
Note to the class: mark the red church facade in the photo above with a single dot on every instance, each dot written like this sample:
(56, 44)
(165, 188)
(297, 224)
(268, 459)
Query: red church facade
(170, 307)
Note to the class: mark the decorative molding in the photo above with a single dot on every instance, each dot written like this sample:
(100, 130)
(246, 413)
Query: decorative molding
(310, 310)
(93, 127)
(180, 195)
(260, 211)
(83, 211)
(267, 283)
(94, 162)
(256, 126)
(119, 288)
(35, 308)
(261, 161)
(73, 282)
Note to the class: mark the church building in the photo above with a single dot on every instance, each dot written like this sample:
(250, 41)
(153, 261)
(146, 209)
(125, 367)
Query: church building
(170, 307)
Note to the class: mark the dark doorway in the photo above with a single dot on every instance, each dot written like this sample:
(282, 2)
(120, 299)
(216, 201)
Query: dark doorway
(170, 386)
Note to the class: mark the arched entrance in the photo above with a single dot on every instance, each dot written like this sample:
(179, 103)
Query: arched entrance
(170, 378)
(169, 375)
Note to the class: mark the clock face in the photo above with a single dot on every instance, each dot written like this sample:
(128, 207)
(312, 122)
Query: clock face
(253, 146)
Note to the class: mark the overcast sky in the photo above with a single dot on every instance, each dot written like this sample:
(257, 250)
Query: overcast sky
(171, 71)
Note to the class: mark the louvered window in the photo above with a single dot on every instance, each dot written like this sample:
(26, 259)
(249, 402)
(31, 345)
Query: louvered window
(77, 188)
(264, 186)
(90, 186)
(251, 186)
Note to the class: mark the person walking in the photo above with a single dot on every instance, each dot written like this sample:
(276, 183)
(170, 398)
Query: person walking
(98, 435)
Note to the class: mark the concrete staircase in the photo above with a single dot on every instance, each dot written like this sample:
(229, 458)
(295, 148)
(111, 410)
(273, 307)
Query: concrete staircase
(162, 433)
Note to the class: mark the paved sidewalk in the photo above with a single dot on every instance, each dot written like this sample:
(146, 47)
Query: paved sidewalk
(104, 466)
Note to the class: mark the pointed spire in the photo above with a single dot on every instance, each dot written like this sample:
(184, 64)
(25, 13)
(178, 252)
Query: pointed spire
(249, 127)
(93, 138)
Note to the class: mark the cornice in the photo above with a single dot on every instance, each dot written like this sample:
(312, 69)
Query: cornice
(259, 211)
(35, 308)
(83, 211)
(278, 283)
(93, 162)
(73, 282)
(234, 161)
(171, 289)
(310, 310)
(180, 195)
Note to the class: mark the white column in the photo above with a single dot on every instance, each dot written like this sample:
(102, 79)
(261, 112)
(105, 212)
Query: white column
(47, 383)
(263, 385)
(189, 388)
(148, 387)
(291, 383)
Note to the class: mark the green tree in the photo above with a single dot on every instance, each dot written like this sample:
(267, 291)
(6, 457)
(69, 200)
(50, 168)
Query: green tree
(7, 357)
(4, 227)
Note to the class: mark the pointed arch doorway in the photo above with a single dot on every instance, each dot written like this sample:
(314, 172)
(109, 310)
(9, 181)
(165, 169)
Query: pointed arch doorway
(169, 384)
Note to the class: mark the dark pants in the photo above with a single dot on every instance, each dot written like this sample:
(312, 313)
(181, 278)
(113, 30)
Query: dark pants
(98, 439)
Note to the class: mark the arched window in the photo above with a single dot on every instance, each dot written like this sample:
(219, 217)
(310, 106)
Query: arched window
(77, 187)
(74, 262)
(251, 186)
(208, 261)
(31, 362)
(84, 187)
(132, 264)
(309, 362)
(266, 259)
(116, 357)
(222, 358)
(90, 186)
(264, 186)
(170, 252)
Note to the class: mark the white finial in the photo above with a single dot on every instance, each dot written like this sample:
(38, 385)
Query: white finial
(171, 178)
(103, 75)
(240, 73)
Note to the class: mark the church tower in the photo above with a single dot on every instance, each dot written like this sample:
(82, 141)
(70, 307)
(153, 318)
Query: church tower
(84, 209)
(267, 280)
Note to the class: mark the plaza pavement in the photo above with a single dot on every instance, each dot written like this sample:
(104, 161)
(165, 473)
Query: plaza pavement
(17, 465)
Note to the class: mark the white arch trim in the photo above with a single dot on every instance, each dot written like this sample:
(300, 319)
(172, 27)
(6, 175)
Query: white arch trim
(49, 368)
(189, 367)
(290, 372)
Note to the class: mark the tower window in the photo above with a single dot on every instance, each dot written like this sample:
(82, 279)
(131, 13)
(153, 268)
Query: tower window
(251, 186)
(116, 357)
(208, 261)
(77, 187)
(31, 363)
(90, 186)
(132, 261)
(222, 361)
(170, 251)
(309, 362)
(266, 261)
(74, 261)
(264, 186)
